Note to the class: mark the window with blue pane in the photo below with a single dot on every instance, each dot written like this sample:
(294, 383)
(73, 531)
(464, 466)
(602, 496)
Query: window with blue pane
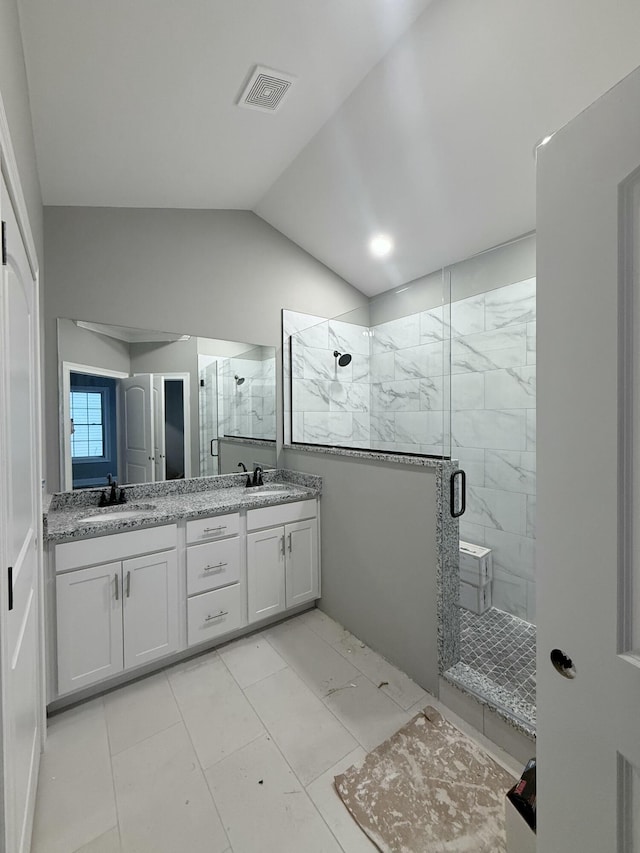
(88, 416)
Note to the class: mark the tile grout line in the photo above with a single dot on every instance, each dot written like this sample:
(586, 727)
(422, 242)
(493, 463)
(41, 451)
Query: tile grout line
(166, 728)
(330, 710)
(113, 777)
(355, 665)
(295, 775)
(200, 767)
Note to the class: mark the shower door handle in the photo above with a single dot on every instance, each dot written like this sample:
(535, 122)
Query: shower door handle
(211, 447)
(463, 493)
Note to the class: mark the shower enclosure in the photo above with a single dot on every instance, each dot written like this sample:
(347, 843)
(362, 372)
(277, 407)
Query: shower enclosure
(444, 369)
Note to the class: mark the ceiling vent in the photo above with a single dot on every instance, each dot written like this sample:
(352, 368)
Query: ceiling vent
(266, 90)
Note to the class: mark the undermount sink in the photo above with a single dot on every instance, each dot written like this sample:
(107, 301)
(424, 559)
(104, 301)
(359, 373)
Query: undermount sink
(120, 512)
(266, 491)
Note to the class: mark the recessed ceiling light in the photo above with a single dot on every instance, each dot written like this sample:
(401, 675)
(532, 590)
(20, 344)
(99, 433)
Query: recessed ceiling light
(380, 245)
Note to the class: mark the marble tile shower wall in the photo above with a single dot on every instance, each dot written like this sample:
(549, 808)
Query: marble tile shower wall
(472, 362)
(331, 404)
(249, 408)
(493, 424)
(409, 394)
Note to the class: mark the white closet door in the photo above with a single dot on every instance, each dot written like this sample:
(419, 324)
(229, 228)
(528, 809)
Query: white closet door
(20, 664)
(137, 405)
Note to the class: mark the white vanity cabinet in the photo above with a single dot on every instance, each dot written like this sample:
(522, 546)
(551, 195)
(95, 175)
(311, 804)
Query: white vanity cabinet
(214, 602)
(89, 621)
(118, 614)
(282, 558)
(127, 599)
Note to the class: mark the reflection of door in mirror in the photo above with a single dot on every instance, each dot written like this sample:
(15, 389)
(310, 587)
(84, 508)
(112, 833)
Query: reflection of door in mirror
(156, 427)
(182, 421)
(208, 405)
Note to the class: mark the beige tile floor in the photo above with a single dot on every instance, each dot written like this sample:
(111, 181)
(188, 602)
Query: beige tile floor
(232, 752)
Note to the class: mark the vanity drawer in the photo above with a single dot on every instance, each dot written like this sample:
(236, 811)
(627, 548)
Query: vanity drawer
(117, 546)
(271, 516)
(216, 527)
(213, 614)
(212, 564)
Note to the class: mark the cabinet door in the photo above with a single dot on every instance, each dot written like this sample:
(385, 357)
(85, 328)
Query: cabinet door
(150, 605)
(302, 562)
(89, 614)
(265, 573)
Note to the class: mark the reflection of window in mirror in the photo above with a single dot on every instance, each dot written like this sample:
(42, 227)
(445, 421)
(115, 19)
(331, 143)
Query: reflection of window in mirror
(201, 424)
(92, 409)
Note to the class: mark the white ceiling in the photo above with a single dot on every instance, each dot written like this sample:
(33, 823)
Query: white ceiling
(134, 103)
(436, 145)
(410, 117)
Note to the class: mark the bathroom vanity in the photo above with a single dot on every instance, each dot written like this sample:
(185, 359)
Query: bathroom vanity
(181, 566)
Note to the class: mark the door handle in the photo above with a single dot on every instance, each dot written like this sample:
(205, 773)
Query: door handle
(563, 663)
(282, 545)
(463, 493)
(211, 447)
(115, 578)
(289, 543)
(128, 584)
(10, 589)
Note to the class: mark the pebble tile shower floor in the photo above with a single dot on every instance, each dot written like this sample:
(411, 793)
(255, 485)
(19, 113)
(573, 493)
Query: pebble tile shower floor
(498, 662)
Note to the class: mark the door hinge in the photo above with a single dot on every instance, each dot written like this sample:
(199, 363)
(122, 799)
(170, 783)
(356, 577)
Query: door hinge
(4, 243)
(10, 587)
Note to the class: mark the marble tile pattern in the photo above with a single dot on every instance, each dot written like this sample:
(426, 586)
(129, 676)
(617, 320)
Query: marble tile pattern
(166, 502)
(331, 404)
(456, 380)
(248, 409)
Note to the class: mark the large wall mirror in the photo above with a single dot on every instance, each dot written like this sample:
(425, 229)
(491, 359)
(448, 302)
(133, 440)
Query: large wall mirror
(142, 406)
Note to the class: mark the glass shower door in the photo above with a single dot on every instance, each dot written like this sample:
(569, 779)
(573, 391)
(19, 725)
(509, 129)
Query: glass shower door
(493, 392)
(208, 410)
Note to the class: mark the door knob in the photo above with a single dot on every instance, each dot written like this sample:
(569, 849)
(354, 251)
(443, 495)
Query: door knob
(563, 663)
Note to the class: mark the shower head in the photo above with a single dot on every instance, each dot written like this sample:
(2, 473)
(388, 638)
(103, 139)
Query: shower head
(344, 359)
(239, 379)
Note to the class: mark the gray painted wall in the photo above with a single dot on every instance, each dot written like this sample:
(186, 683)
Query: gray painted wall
(231, 452)
(15, 97)
(379, 555)
(81, 346)
(217, 274)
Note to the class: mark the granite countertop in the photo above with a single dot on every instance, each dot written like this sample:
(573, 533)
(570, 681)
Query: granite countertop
(164, 503)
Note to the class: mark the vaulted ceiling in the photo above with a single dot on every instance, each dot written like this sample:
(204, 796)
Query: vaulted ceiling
(410, 117)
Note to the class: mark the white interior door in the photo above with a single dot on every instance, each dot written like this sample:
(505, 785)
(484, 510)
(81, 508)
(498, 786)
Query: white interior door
(159, 428)
(20, 663)
(588, 594)
(137, 409)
